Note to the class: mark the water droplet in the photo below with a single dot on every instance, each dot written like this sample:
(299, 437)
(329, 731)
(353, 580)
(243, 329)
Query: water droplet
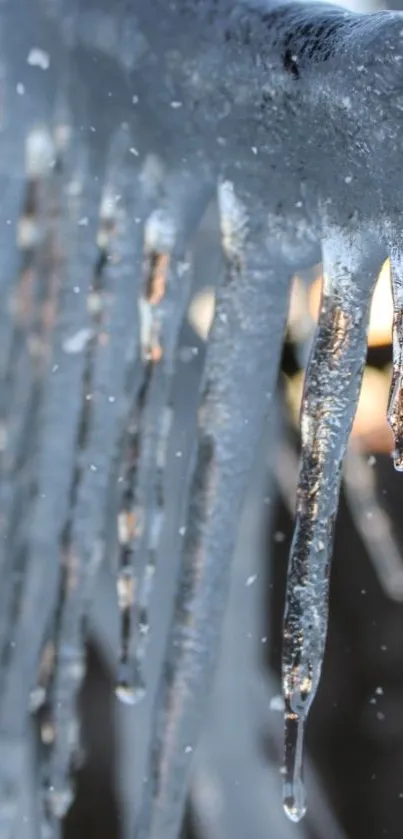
(294, 800)
(131, 688)
(130, 694)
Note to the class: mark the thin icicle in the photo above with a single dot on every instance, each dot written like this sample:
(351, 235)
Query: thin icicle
(330, 398)
(240, 376)
(56, 446)
(395, 407)
(164, 304)
(116, 324)
(26, 366)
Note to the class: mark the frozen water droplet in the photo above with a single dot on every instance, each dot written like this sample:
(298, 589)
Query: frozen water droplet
(294, 800)
(125, 694)
(252, 579)
(130, 689)
(130, 694)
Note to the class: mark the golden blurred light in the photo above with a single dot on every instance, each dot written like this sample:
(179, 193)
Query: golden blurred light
(370, 430)
(299, 318)
(201, 312)
(380, 324)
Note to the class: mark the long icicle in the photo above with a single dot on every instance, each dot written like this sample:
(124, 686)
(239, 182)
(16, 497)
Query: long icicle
(84, 548)
(240, 378)
(331, 392)
(60, 411)
(167, 291)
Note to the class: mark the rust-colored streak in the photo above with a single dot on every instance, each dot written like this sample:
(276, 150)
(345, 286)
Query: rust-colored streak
(157, 279)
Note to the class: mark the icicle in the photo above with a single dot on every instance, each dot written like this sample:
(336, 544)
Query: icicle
(166, 296)
(330, 397)
(21, 377)
(115, 320)
(60, 415)
(395, 407)
(240, 376)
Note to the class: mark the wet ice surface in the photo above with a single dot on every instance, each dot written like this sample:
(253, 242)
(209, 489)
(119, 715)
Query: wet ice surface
(330, 397)
(245, 347)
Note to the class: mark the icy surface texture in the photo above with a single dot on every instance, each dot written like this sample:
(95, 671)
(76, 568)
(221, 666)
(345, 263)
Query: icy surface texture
(118, 127)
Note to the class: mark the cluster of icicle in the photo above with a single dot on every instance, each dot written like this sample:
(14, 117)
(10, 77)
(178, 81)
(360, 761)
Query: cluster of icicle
(98, 288)
(88, 352)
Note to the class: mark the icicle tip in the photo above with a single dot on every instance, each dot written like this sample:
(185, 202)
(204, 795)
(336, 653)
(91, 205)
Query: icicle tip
(129, 694)
(294, 802)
